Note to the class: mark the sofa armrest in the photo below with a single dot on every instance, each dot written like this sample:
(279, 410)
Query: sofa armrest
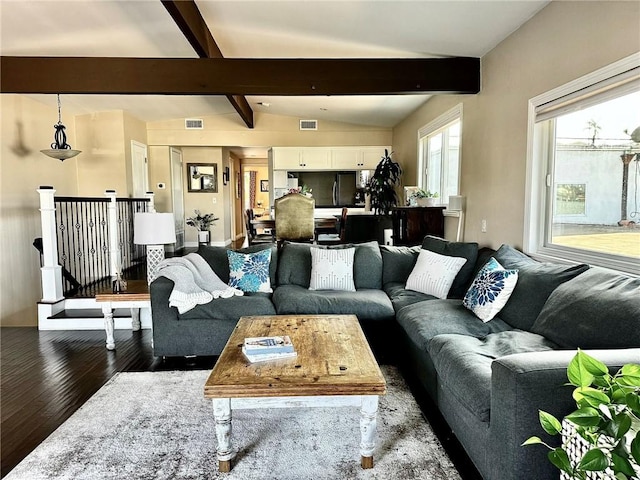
(161, 313)
(524, 383)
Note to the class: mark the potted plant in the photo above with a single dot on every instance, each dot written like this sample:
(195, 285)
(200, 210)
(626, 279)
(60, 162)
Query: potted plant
(425, 198)
(605, 426)
(202, 223)
(382, 185)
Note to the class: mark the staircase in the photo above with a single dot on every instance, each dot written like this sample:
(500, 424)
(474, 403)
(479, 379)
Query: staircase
(95, 236)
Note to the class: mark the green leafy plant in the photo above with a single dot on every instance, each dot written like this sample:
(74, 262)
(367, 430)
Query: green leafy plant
(425, 194)
(382, 185)
(607, 419)
(202, 222)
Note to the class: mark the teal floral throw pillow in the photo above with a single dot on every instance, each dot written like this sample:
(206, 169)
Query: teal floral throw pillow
(249, 272)
(490, 290)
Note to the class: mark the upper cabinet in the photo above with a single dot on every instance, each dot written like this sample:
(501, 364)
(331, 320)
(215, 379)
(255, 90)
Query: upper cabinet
(295, 158)
(326, 158)
(356, 158)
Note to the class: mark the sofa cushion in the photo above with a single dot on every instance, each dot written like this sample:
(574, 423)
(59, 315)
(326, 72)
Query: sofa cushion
(424, 320)
(365, 304)
(536, 281)
(332, 269)
(434, 274)
(598, 309)
(455, 249)
(401, 297)
(250, 271)
(397, 263)
(217, 258)
(463, 363)
(232, 308)
(490, 290)
(294, 266)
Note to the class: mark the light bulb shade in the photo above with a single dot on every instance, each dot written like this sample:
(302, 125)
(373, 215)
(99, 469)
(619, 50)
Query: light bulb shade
(61, 153)
(153, 228)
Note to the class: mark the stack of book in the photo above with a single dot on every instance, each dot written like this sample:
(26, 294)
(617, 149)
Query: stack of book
(260, 349)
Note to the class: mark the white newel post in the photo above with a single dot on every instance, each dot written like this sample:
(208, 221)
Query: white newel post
(114, 248)
(51, 271)
(152, 205)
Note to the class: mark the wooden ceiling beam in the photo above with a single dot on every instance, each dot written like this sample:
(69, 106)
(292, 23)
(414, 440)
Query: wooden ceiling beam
(238, 76)
(193, 26)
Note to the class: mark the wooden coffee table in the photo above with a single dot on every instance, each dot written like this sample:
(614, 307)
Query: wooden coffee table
(334, 368)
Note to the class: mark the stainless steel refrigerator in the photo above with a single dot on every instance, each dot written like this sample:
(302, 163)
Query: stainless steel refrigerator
(331, 189)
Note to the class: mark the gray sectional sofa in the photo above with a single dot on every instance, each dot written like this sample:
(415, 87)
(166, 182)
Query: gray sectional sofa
(488, 380)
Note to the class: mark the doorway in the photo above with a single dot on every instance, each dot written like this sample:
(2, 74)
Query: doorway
(177, 196)
(139, 170)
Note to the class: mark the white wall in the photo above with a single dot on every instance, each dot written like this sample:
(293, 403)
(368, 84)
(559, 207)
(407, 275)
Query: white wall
(601, 172)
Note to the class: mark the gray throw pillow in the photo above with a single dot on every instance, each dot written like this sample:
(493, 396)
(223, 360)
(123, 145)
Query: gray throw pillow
(598, 309)
(397, 263)
(535, 283)
(466, 250)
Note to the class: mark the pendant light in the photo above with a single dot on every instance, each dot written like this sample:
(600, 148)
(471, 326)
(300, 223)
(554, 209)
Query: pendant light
(60, 149)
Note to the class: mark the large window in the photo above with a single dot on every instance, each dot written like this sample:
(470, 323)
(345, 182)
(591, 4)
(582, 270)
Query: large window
(439, 155)
(584, 175)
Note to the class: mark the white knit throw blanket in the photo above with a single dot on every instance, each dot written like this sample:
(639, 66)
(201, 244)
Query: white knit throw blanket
(194, 281)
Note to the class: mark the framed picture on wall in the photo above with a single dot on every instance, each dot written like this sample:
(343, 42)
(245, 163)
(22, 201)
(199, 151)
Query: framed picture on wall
(264, 185)
(202, 177)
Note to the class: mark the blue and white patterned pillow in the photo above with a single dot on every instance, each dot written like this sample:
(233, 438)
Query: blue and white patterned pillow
(249, 272)
(490, 290)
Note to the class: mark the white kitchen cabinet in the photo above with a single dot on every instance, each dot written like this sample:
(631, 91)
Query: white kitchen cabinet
(356, 158)
(286, 158)
(326, 158)
(301, 158)
(316, 158)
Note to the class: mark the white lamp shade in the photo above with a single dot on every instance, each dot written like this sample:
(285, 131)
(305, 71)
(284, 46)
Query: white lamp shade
(153, 228)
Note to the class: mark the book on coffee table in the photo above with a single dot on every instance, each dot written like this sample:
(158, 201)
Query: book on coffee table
(267, 345)
(263, 357)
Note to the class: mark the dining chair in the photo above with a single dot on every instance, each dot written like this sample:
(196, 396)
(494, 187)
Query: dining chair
(252, 234)
(339, 236)
(294, 218)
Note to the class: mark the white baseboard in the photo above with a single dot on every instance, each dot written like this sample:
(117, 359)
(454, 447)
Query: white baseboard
(121, 323)
(46, 310)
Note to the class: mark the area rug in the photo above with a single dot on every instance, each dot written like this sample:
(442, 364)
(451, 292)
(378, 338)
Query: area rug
(158, 425)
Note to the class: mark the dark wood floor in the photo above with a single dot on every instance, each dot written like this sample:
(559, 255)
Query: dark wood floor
(46, 376)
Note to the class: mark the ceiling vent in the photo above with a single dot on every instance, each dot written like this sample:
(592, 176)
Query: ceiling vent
(193, 123)
(308, 125)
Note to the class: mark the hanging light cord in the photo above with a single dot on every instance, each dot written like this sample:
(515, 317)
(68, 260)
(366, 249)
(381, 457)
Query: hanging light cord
(60, 137)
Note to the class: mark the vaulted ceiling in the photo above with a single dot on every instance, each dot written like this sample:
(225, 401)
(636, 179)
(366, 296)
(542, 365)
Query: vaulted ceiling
(365, 29)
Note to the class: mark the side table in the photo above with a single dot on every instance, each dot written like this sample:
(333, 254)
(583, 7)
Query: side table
(135, 297)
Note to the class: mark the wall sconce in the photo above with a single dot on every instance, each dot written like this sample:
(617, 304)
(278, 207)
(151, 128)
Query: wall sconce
(225, 176)
(60, 149)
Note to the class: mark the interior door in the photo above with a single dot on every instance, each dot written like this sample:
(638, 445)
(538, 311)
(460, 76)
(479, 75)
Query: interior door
(177, 196)
(139, 170)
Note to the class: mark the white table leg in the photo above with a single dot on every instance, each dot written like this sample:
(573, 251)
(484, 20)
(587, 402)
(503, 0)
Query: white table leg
(135, 319)
(222, 416)
(368, 414)
(108, 326)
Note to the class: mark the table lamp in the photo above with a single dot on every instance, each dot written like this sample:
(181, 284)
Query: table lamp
(153, 230)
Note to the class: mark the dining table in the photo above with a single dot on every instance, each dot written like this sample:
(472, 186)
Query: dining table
(322, 223)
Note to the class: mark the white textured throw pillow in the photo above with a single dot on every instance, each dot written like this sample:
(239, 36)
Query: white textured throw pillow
(434, 274)
(332, 269)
